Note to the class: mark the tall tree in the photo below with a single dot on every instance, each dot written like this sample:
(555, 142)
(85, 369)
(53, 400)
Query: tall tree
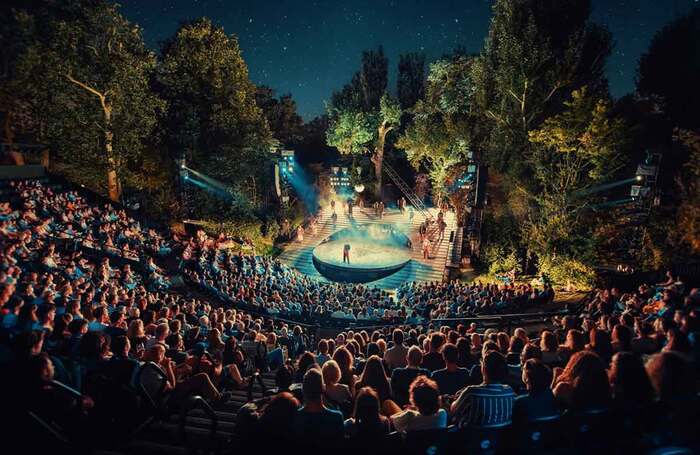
(670, 70)
(281, 114)
(410, 83)
(88, 73)
(536, 53)
(212, 111)
(572, 152)
(440, 134)
(362, 114)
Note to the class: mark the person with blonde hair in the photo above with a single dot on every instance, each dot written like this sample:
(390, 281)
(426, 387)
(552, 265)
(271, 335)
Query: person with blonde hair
(336, 394)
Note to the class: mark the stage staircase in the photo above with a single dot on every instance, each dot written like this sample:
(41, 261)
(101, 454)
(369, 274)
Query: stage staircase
(408, 192)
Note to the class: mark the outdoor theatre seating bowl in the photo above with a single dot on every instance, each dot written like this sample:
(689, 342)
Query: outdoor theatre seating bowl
(376, 251)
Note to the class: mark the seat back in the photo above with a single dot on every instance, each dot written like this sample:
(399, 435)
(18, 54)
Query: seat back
(426, 442)
(479, 439)
(592, 429)
(539, 434)
(151, 381)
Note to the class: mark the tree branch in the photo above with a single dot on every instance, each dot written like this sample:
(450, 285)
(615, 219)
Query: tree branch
(102, 96)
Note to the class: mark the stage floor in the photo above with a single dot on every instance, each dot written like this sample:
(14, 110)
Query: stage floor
(362, 254)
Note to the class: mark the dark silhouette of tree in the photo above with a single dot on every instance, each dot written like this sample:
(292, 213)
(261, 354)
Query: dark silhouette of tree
(670, 70)
(410, 83)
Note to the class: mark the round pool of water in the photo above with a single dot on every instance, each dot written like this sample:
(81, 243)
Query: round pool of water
(376, 251)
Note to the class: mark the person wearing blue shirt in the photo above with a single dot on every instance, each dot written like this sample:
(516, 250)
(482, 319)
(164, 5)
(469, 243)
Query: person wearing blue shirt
(314, 424)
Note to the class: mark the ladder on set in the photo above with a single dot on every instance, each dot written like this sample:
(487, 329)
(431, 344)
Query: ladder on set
(406, 190)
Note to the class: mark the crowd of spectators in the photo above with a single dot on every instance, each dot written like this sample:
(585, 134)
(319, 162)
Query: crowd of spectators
(78, 321)
(270, 287)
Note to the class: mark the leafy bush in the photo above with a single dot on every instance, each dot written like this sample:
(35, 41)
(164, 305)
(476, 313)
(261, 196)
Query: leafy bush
(564, 271)
(500, 259)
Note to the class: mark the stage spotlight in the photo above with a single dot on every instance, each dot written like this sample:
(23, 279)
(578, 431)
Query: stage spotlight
(639, 178)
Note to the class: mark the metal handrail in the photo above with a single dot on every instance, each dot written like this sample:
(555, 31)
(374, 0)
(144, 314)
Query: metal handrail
(412, 197)
(197, 402)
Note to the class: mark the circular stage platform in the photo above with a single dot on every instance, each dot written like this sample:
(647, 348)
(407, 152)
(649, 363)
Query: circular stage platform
(376, 251)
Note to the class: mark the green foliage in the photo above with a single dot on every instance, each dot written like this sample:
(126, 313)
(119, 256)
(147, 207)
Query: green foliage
(573, 151)
(212, 113)
(389, 111)
(566, 271)
(439, 135)
(86, 72)
(351, 132)
(535, 54)
(500, 260)
(281, 114)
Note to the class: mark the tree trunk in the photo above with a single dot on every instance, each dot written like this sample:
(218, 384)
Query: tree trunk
(10, 140)
(378, 158)
(113, 186)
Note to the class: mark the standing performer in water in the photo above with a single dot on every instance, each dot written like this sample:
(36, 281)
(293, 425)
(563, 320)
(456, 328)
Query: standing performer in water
(346, 253)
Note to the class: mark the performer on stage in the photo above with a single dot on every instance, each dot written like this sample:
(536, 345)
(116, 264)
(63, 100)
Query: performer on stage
(346, 253)
(442, 225)
(300, 233)
(334, 218)
(426, 248)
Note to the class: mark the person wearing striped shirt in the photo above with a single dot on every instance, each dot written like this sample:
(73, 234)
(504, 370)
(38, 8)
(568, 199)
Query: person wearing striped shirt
(491, 402)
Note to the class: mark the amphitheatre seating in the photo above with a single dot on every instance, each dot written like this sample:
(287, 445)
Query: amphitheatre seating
(142, 418)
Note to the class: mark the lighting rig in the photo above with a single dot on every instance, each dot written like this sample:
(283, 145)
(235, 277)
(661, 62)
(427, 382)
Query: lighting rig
(339, 178)
(284, 170)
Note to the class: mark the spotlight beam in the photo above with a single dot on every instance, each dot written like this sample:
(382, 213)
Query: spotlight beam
(604, 187)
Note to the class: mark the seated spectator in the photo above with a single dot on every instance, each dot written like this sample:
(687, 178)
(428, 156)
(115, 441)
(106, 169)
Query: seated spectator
(575, 342)
(395, 357)
(631, 387)
(599, 343)
(433, 361)
(401, 378)
(337, 395)
(425, 412)
(452, 378)
(671, 376)
(367, 423)
(538, 402)
(275, 424)
(583, 385)
(322, 356)
(314, 424)
(491, 402)
(374, 376)
(345, 362)
(643, 343)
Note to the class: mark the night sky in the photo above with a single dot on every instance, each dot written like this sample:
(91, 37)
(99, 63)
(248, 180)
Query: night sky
(311, 48)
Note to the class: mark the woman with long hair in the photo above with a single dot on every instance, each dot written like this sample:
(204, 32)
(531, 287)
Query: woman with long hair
(629, 381)
(215, 345)
(337, 395)
(583, 385)
(367, 422)
(599, 342)
(575, 342)
(345, 362)
(374, 376)
(306, 361)
(550, 347)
